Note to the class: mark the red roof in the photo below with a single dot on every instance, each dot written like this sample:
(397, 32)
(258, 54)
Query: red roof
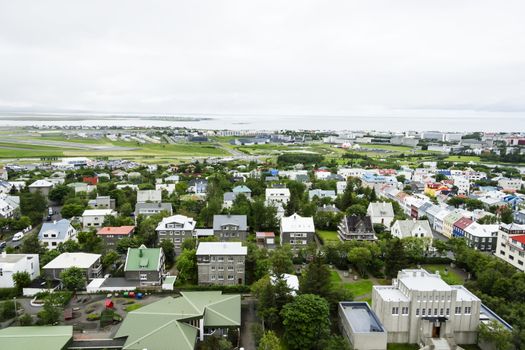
(264, 234)
(463, 223)
(121, 230)
(519, 238)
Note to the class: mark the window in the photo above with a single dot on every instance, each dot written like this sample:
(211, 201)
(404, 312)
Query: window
(423, 312)
(502, 252)
(230, 277)
(220, 278)
(448, 311)
(458, 310)
(143, 276)
(441, 312)
(395, 310)
(213, 268)
(1, 272)
(467, 310)
(220, 268)
(230, 268)
(404, 310)
(220, 259)
(429, 312)
(212, 277)
(435, 312)
(417, 312)
(230, 259)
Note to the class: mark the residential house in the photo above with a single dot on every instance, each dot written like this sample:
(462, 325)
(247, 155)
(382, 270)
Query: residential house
(321, 194)
(42, 186)
(381, 213)
(245, 190)
(438, 220)
(481, 237)
(149, 209)
(13, 263)
(340, 187)
(9, 206)
(297, 231)
(353, 227)
(111, 235)
(198, 186)
(230, 227)
(87, 262)
(149, 196)
(221, 263)
(412, 228)
(277, 196)
(510, 246)
(102, 202)
(180, 321)
(53, 233)
(145, 265)
(176, 228)
(228, 199)
(3, 174)
(448, 223)
(419, 307)
(265, 240)
(95, 217)
(170, 188)
(81, 187)
(36, 337)
(459, 227)
(510, 184)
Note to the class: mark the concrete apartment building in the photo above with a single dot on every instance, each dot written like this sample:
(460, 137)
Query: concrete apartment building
(482, 237)
(221, 263)
(277, 196)
(111, 235)
(419, 307)
(510, 246)
(176, 228)
(42, 186)
(297, 231)
(230, 227)
(145, 265)
(13, 263)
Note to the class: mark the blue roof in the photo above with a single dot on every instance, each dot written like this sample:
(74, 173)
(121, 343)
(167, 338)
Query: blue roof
(58, 227)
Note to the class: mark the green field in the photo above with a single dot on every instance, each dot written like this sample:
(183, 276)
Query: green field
(475, 159)
(359, 288)
(327, 236)
(393, 148)
(451, 277)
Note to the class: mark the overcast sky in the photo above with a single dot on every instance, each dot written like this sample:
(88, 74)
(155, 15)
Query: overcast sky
(263, 57)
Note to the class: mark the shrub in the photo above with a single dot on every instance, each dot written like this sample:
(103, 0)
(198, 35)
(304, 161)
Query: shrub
(26, 320)
(93, 317)
(132, 307)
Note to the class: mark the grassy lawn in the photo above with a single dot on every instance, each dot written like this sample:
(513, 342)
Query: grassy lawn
(402, 346)
(327, 236)
(462, 159)
(359, 288)
(451, 277)
(334, 277)
(132, 307)
(386, 147)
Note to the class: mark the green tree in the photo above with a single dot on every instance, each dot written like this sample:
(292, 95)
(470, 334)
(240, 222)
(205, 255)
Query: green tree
(356, 209)
(335, 342)
(187, 266)
(25, 320)
(306, 321)
(270, 341)
(495, 333)
(316, 278)
(281, 260)
(90, 242)
(169, 250)
(360, 257)
(110, 258)
(128, 242)
(73, 278)
(31, 245)
(51, 310)
(395, 257)
(506, 215)
(70, 210)
(126, 210)
(59, 193)
(21, 279)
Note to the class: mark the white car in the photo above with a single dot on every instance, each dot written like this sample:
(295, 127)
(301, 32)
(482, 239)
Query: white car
(18, 236)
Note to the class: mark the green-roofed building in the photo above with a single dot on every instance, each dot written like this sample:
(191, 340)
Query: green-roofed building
(145, 265)
(177, 323)
(36, 337)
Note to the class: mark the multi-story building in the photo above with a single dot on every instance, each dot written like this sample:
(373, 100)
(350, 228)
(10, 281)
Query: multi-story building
(111, 235)
(176, 228)
(353, 227)
(53, 233)
(42, 186)
(221, 263)
(419, 307)
(459, 227)
(510, 246)
(102, 202)
(297, 231)
(510, 184)
(412, 228)
(277, 196)
(145, 265)
(13, 263)
(149, 209)
(321, 194)
(149, 196)
(230, 227)
(95, 217)
(481, 237)
(87, 262)
(448, 223)
(9, 206)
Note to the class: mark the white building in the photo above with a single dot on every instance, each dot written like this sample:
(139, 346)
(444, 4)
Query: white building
(321, 194)
(297, 231)
(340, 187)
(53, 233)
(381, 213)
(412, 228)
(419, 307)
(510, 246)
(277, 195)
(510, 184)
(95, 217)
(42, 186)
(9, 206)
(13, 263)
(462, 183)
(170, 188)
(176, 228)
(351, 172)
(149, 196)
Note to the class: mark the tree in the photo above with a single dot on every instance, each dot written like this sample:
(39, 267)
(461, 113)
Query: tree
(59, 193)
(110, 258)
(335, 342)
(360, 257)
(51, 310)
(126, 210)
(306, 322)
(90, 242)
(395, 258)
(270, 341)
(33, 205)
(21, 279)
(506, 215)
(70, 210)
(187, 266)
(316, 278)
(281, 260)
(31, 245)
(169, 251)
(495, 333)
(356, 209)
(69, 246)
(73, 278)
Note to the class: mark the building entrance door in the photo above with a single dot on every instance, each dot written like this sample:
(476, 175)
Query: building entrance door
(436, 331)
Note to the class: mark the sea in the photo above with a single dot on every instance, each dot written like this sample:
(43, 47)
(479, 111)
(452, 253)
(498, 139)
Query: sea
(491, 122)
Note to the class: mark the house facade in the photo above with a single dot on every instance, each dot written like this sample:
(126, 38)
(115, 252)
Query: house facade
(111, 235)
(145, 265)
(297, 231)
(277, 196)
(510, 246)
(230, 227)
(51, 234)
(482, 237)
(87, 262)
(176, 228)
(381, 213)
(13, 263)
(95, 217)
(412, 228)
(221, 263)
(353, 227)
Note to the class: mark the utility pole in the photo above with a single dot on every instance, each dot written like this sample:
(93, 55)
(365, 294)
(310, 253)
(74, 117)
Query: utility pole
(16, 313)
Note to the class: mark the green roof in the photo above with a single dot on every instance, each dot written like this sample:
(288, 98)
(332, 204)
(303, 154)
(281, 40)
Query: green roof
(143, 259)
(163, 322)
(36, 337)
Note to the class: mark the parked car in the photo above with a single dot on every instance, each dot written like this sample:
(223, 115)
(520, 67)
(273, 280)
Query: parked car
(3, 244)
(18, 236)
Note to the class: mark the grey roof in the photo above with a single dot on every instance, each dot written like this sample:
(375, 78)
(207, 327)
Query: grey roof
(241, 189)
(381, 209)
(238, 220)
(58, 227)
(406, 226)
(149, 196)
(150, 206)
(229, 196)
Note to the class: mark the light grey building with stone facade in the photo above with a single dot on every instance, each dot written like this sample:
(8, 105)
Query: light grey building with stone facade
(221, 263)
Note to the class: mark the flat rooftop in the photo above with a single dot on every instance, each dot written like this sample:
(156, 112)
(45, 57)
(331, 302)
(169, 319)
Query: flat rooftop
(361, 318)
(422, 280)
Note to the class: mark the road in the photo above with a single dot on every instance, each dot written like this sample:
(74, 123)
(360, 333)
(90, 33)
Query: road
(248, 319)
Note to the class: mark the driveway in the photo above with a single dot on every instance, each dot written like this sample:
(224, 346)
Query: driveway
(248, 319)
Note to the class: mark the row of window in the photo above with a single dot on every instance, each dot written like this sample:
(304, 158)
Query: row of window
(221, 268)
(221, 277)
(428, 312)
(298, 241)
